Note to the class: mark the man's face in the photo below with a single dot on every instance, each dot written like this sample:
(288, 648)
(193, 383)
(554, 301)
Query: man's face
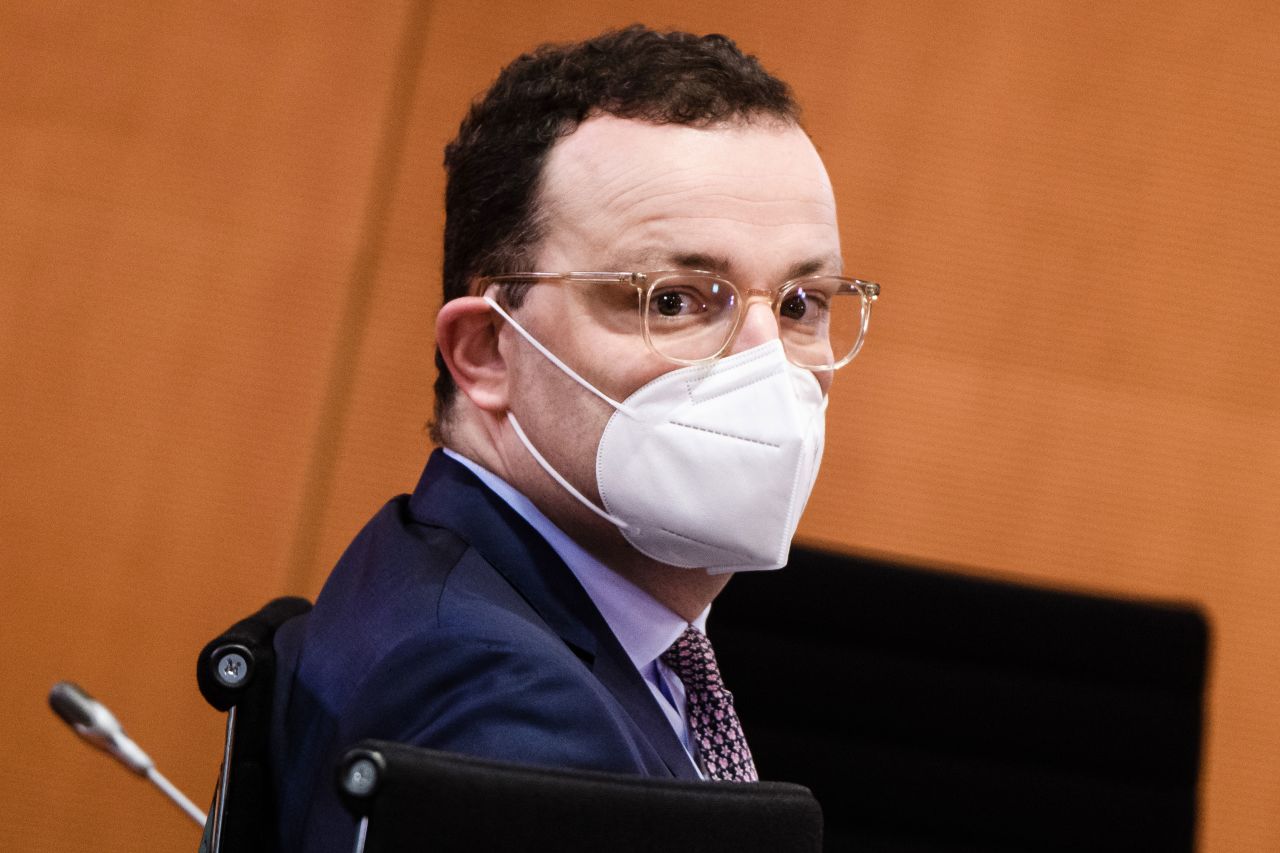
(750, 202)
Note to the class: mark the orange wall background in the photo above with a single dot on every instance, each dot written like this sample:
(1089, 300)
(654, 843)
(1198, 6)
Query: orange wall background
(219, 228)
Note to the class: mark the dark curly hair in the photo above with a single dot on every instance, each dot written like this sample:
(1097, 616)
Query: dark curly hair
(492, 222)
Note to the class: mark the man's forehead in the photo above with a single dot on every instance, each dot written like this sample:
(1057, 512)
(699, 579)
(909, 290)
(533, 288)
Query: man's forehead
(646, 196)
(614, 157)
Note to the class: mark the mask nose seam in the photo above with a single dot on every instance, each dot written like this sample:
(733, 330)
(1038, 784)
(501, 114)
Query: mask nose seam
(703, 373)
(765, 378)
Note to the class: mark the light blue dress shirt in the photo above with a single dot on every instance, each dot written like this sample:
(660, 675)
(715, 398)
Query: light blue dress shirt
(644, 627)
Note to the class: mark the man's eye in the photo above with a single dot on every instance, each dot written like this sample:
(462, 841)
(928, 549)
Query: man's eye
(674, 303)
(794, 307)
(805, 306)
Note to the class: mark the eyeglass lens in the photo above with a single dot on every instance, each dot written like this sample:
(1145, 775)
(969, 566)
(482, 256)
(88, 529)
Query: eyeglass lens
(820, 320)
(689, 318)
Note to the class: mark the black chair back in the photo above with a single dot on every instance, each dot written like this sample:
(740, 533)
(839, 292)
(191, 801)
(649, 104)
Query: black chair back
(422, 800)
(236, 674)
(932, 712)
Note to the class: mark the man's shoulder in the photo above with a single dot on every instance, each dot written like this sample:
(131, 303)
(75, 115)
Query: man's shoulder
(418, 638)
(415, 617)
(402, 581)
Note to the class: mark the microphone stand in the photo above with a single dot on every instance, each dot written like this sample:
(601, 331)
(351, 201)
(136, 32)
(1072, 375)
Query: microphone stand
(92, 721)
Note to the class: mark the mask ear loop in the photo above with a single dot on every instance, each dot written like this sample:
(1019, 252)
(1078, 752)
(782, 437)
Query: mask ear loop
(524, 439)
(555, 475)
(554, 359)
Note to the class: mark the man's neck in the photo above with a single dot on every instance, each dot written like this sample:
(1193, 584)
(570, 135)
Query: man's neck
(686, 592)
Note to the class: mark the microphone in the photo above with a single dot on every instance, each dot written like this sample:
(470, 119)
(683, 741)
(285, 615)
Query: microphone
(92, 721)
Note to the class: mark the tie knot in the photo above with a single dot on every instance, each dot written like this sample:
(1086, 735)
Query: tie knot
(693, 661)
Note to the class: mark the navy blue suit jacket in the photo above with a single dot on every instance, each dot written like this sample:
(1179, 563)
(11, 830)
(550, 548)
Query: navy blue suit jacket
(450, 623)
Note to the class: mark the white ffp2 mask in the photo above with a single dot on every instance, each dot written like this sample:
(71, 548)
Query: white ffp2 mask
(708, 466)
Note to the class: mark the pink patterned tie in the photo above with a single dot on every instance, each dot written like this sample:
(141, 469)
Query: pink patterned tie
(722, 747)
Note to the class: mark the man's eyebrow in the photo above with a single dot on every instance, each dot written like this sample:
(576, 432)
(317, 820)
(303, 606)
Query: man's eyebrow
(720, 264)
(659, 259)
(702, 261)
(828, 264)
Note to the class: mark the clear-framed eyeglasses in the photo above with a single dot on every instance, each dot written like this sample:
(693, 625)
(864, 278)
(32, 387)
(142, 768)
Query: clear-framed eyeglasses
(692, 316)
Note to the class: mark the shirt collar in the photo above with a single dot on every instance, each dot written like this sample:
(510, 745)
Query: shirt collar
(644, 627)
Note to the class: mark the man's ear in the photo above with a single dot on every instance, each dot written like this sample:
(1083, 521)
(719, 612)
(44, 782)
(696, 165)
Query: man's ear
(467, 335)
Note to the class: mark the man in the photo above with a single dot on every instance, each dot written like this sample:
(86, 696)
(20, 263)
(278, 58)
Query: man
(643, 314)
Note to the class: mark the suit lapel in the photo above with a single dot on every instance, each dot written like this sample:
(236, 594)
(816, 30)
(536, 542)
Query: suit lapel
(450, 496)
(617, 673)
